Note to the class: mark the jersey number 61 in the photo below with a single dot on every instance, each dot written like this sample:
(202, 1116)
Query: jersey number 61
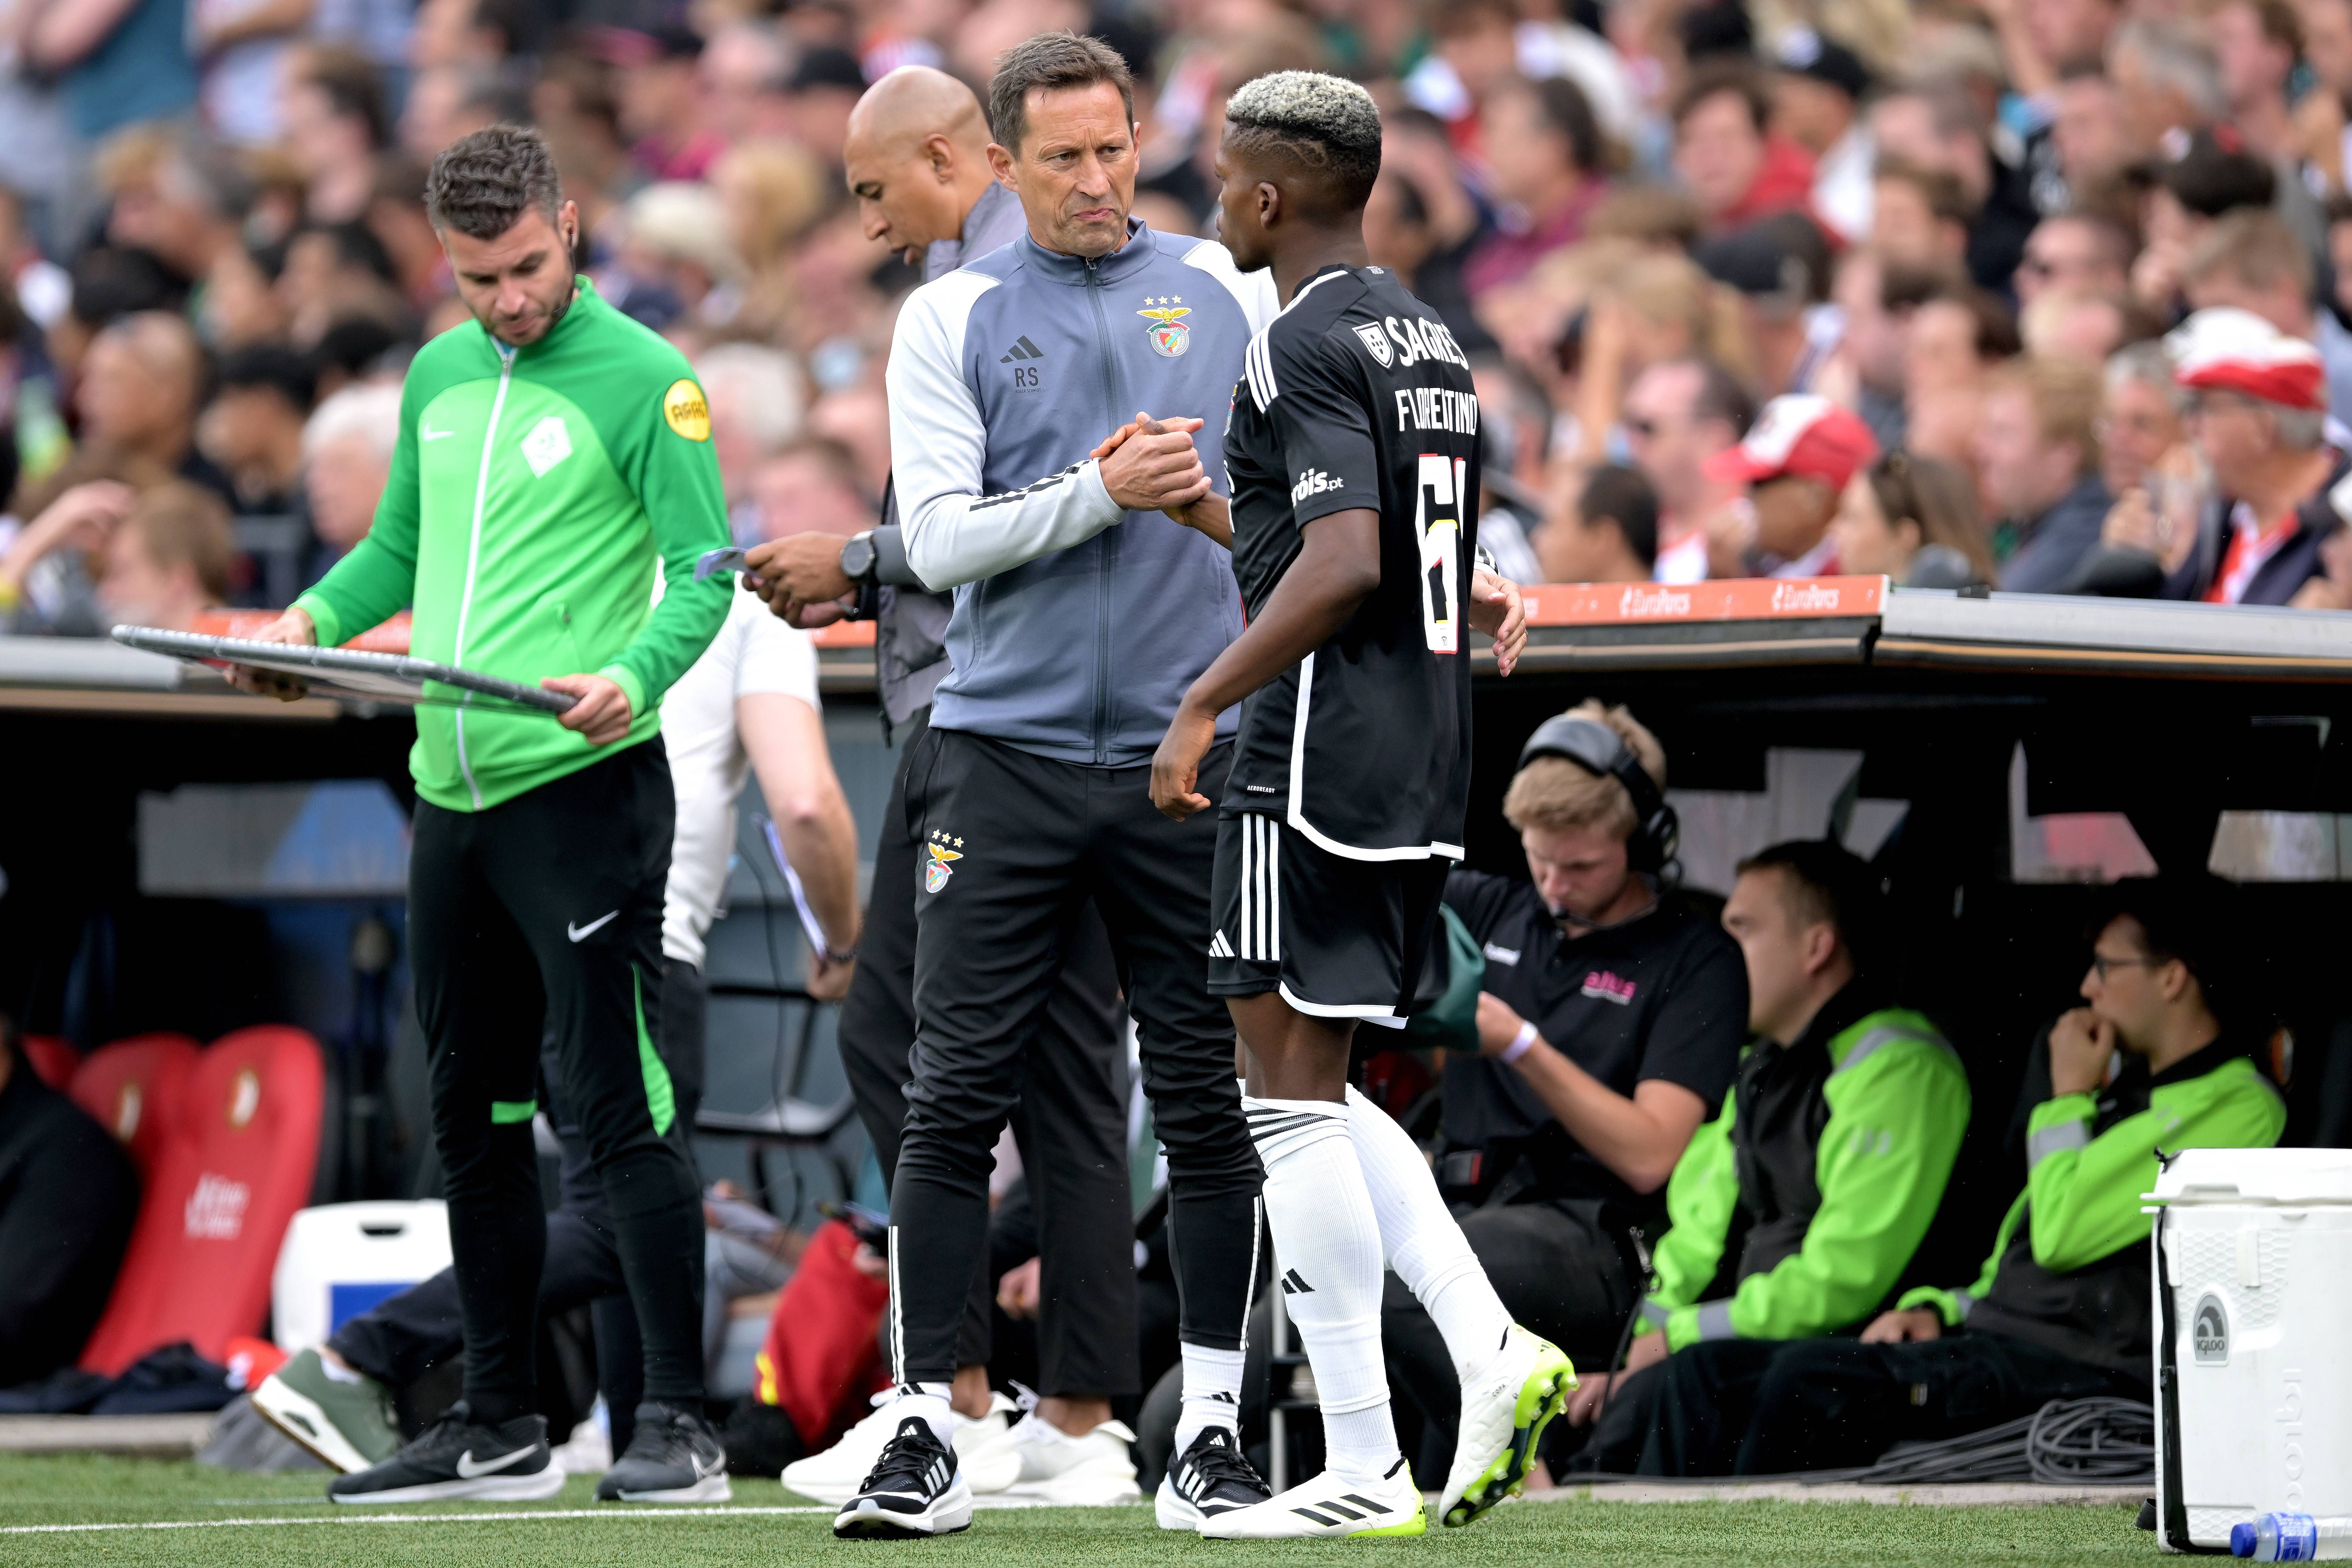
(1437, 523)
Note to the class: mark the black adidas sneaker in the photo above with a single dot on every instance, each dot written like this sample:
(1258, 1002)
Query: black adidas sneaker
(1211, 1478)
(915, 1489)
(456, 1458)
(672, 1456)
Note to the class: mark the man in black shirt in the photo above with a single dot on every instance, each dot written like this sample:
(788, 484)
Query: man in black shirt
(1353, 452)
(68, 1198)
(1610, 1024)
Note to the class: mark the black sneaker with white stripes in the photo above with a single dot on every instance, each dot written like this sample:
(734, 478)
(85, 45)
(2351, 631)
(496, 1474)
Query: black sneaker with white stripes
(914, 1490)
(673, 1457)
(458, 1457)
(1210, 1477)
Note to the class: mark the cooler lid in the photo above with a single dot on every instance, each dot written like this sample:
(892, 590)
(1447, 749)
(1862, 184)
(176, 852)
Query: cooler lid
(2288, 1176)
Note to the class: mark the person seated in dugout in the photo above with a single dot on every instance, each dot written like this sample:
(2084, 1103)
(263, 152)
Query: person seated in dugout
(69, 1197)
(1611, 1016)
(2061, 1308)
(1794, 1213)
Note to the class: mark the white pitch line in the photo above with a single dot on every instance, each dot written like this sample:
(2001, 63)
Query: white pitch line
(374, 1518)
(402, 1519)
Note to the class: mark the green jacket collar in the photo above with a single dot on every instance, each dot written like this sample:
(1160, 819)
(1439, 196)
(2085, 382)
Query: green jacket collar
(589, 303)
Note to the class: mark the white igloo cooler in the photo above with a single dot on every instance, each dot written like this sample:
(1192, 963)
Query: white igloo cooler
(340, 1259)
(2253, 1344)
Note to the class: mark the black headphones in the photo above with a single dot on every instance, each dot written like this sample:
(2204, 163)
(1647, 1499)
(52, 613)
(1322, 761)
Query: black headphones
(1601, 752)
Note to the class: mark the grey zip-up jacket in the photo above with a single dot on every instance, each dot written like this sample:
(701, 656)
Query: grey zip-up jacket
(911, 630)
(1077, 625)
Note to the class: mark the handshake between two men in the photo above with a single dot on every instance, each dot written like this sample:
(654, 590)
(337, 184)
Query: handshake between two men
(1147, 464)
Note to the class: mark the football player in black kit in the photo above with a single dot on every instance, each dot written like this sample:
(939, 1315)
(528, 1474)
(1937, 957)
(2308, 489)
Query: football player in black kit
(1353, 451)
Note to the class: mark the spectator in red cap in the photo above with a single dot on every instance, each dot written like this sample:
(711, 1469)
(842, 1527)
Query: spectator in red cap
(1795, 462)
(2257, 413)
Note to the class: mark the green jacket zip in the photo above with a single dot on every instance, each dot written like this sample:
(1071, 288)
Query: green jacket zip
(537, 497)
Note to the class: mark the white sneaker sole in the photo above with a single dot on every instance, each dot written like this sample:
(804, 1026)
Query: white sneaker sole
(986, 1472)
(709, 1488)
(533, 1487)
(833, 1490)
(300, 1418)
(951, 1513)
(1088, 1486)
(1173, 1511)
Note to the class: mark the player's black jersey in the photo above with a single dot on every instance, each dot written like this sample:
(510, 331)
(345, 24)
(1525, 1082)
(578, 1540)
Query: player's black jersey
(1356, 397)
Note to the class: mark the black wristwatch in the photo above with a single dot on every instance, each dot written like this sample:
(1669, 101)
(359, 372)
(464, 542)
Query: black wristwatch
(857, 557)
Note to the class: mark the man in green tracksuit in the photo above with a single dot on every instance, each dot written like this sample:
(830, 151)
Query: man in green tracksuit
(2061, 1308)
(1794, 1212)
(554, 464)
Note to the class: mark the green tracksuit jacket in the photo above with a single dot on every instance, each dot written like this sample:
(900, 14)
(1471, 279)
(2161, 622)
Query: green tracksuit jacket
(1896, 1103)
(2088, 1159)
(532, 492)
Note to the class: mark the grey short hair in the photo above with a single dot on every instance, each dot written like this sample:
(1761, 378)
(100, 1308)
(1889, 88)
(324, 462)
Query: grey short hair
(2175, 57)
(368, 409)
(1050, 62)
(1326, 123)
(2300, 428)
(2147, 362)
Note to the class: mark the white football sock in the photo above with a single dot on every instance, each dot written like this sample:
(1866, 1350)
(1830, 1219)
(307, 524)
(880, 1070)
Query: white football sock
(1423, 1242)
(1327, 1244)
(1212, 1392)
(929, 1401)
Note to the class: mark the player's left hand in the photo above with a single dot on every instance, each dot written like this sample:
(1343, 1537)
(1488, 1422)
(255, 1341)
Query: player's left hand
(602, 714)
(829, 978)
(1647, 1350)
(1176, 765)
(1496, 610)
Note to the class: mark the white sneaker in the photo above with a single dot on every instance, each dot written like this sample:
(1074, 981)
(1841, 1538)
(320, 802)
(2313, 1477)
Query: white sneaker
(834, 1475)
(1328, 1506)
(1504, 1411)
(1050, 1465)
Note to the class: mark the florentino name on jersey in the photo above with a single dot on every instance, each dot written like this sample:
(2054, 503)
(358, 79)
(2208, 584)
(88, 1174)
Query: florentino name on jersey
(1356, 397)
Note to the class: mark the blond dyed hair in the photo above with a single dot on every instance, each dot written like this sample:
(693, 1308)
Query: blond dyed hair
(1560, 796)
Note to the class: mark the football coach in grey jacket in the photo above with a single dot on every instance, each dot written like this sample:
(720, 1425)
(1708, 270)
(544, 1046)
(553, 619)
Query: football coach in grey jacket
(916, 158)
(1082, 614)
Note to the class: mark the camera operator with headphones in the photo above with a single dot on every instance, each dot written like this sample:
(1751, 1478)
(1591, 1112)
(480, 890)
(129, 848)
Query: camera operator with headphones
(1610, 1022)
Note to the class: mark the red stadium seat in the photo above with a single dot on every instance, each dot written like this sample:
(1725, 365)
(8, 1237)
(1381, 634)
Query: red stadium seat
(132, 1089)
(236, 1163)
(53, 1059)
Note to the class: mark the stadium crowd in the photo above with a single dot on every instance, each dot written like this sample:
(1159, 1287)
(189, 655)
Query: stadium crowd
(1954, 236)
(2051, 295)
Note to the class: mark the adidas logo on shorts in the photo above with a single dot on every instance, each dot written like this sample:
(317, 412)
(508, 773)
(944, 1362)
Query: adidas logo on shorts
(1219, 947)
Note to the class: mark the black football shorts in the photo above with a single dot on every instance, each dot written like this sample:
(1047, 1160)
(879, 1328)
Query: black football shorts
(1337, 937)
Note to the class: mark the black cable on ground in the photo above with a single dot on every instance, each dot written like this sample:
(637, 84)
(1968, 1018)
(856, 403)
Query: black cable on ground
(2067, 1441)
(2096, 1441)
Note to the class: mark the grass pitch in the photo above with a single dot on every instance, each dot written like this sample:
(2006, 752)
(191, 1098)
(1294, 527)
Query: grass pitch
(190, 1517)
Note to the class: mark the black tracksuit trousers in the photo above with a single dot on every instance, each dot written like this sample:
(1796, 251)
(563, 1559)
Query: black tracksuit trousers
(1071, 1122)
(543, 914)
(399, 1340)
(1013, 846)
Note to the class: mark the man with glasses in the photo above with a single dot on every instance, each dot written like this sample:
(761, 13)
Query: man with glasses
(2257, 414)
(2062, 1308)
(2076, 252)
(1678, 414)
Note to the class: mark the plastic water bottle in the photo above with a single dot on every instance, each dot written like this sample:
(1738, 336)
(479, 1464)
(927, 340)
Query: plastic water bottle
(2291, 1538)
